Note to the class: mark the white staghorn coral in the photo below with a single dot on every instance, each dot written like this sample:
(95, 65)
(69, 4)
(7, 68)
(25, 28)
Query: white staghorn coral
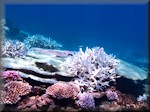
(94, 68)
(41, 41)
(13, 48)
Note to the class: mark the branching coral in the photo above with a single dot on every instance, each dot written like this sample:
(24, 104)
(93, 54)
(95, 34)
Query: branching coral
(41, 42)
(94, 68)
(13, 91)
(10, 75)
(85, 101)
(63, 90)
(4, 27)
(13, 48)
(143, 97)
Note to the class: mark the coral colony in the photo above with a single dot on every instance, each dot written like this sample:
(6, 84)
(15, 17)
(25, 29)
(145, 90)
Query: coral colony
(86, 101)
(13, 48)
(94, 68)
(41, 42)
(10, 75)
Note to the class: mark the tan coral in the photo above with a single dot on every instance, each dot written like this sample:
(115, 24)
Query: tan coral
(9, 98)
(63, 90)
(14, 90)
(35, 103)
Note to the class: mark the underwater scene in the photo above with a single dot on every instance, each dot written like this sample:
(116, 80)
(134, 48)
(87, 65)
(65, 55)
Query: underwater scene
(74, 57)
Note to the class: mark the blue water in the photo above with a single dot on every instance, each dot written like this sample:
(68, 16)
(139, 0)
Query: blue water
(120, 29)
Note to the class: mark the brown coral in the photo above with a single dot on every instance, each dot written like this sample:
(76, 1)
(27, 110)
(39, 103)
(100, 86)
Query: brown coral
(35, 103)
(63, 90)
(13, 91)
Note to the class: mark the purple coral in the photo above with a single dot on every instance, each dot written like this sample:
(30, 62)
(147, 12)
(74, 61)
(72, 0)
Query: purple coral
(86, 101)
(10, 75)
(111, 95)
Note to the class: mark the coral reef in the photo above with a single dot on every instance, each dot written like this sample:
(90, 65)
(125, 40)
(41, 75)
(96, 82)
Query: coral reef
(86, 101)
(41, 41)
(13, 48)
(53, 89)
(63, 90)
(11, 75)
(13, 91)
(94, 68)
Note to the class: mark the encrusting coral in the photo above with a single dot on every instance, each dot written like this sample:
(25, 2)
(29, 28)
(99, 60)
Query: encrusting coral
(13, 91)
(94, 68)
(63, 90)
(35, 103)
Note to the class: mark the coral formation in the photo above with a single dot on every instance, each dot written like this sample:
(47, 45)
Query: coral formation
(94, 68)
(143, 97)
(41, 41)
(35, 103)
(13, 48)
(85, 100)
(11, 75)
(4, 27)
(13, 91)
(111, 95)
(63, 90)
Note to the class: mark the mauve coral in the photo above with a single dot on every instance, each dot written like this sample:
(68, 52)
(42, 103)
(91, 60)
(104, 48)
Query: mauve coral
(63, 90)
(111, 95)
(94, 68)
(86, 101)
(10, 75)
(13, 91)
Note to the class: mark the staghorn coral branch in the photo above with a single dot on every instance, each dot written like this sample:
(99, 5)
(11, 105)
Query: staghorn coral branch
(94, 68)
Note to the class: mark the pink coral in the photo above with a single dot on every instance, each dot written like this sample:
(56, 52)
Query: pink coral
(10, 75)
(62, 90)
(13, 91)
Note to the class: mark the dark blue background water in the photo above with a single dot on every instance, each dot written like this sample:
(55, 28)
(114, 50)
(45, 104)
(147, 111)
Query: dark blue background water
(120, 29)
